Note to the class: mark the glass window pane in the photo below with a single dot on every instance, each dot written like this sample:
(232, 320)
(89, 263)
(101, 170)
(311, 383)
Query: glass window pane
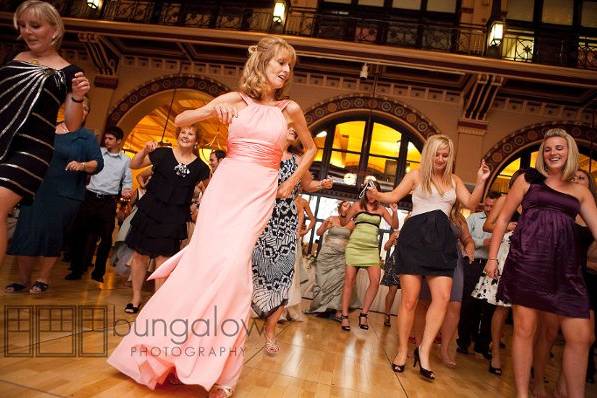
(518, 46)
(320, 138)
(385, 141)
(521, 10)
(384, 171)
(588, 15)
(441, 5)
(349, 136)
(500, 184)
(534, 158)
(344, 167)
(558, 11)
(376, 3)
(407, 4)
(413, 158)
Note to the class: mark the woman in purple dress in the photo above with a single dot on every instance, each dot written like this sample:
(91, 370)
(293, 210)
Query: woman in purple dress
(542, 272)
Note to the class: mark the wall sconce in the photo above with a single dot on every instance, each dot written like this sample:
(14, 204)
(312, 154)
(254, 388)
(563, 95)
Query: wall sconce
(279, 14)
(496, 34)
(93, 4)
(321, 134)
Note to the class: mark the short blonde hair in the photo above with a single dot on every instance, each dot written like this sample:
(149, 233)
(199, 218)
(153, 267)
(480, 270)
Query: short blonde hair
(433, 144)
(571, 163)
(253, 80)
(43, 11)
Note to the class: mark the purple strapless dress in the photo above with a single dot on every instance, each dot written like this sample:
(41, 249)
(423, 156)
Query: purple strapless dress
(542, 270)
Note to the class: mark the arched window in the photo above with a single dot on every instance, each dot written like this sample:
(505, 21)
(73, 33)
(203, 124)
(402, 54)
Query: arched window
(353, 148)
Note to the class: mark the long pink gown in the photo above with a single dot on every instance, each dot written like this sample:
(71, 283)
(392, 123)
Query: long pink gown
(196, 324)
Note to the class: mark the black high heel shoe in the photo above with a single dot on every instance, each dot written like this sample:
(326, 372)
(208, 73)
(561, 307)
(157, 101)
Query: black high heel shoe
(397, 368)
(345, 328)
(362, 325)
(427, 374)
(495, 371)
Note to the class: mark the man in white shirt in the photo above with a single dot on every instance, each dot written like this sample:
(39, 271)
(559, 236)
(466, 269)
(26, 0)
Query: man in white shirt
(96, 217)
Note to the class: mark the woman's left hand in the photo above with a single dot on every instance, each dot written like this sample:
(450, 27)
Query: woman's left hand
(327, 183)
(80, 85)
(73, 165)
(285, 190)
(484, 172)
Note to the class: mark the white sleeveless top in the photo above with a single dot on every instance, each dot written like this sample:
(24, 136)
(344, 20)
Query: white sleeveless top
(424, 203)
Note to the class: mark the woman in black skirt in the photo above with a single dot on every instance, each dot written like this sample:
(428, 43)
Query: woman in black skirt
(426, 245)
(33, 86)
(160, 223)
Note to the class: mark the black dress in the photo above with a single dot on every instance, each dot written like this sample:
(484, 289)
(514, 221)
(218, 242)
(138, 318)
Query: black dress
(159, 225)
(30, 97)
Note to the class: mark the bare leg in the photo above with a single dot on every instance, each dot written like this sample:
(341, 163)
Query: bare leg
(419, 323)
(8, 200)
(25, 266)
(271, 346)
(440, 287)
(547, 334)
(578, 333)
(525, 326)
(374, 275)
(138, 271)
(349, 278)
(411, 287)
(497, 325)
(392, 290)
(160, 281)
(46, 264)
(448, 329)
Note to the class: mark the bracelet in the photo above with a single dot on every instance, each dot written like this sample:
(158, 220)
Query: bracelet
(78, 101)
(84, 164)
(489, 259)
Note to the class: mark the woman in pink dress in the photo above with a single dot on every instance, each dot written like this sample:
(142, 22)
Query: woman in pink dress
(195, 325)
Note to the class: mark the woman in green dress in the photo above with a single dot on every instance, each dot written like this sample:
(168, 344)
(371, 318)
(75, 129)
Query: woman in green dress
(362, 251)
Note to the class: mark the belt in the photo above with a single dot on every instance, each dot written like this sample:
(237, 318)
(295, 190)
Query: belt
(100, 195)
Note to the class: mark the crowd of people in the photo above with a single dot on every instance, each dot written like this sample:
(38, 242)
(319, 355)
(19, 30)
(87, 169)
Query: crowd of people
(233, 229)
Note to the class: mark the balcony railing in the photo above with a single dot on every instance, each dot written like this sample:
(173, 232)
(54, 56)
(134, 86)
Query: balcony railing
(579, 52)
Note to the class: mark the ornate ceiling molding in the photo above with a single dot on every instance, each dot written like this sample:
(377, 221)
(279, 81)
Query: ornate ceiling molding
(164, 83)
(403, 114)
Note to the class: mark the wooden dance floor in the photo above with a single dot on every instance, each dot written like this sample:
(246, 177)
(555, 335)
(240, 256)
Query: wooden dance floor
(57, 357)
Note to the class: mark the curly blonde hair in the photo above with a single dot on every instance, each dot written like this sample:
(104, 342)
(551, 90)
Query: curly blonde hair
(253, 80)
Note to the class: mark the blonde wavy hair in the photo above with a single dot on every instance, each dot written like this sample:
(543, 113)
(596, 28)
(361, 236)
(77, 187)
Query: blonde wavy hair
(253, 81)
(571, 163)
(433, 144)
(41, 11)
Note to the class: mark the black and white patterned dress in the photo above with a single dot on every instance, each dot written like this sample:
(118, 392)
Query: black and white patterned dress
(274, 253)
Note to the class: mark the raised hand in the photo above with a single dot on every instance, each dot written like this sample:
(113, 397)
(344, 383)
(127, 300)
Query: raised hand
(327, 183)
(80, 85)
(224, 112)
(484, 171)
(150, 146)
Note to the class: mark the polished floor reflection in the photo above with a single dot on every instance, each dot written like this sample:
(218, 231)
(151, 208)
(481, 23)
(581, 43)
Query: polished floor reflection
(316, 358)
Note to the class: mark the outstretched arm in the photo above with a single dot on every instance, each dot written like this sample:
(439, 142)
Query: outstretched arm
(471, 200)
(224, 107)
(404, 188)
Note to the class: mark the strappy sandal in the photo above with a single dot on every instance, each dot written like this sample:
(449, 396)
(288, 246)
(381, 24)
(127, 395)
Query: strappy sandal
(271, 346)
(386, 320)
(363, 325)
(14, 288)
(346, 328)
(38, 287)
(227, 391)
(131, 309)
